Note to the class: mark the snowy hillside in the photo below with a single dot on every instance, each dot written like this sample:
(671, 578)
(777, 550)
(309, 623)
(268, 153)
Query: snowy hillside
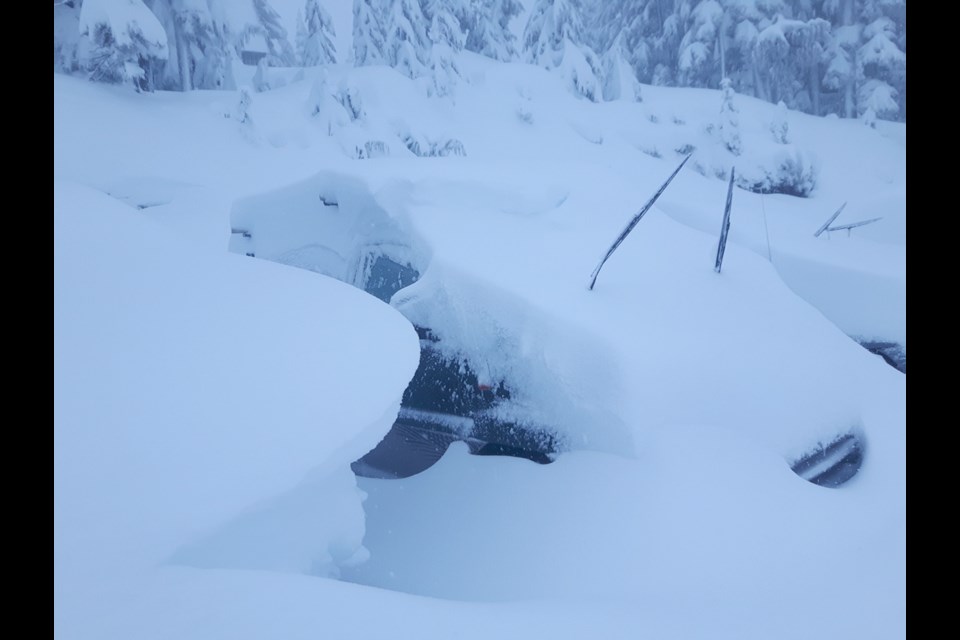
(223, 365)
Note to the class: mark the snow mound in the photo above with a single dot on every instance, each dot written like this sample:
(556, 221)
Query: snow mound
(190, 387)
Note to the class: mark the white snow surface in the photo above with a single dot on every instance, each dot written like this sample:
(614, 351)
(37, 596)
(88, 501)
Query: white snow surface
(207, 404)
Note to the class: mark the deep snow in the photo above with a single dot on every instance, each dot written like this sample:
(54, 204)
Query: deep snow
(207, 405)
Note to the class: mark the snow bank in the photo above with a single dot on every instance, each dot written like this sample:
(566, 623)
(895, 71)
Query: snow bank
(687, 537)
(190, 388)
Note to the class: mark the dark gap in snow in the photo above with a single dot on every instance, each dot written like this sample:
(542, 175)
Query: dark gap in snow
(832, 465)
(445, 403)
(388, 276)
(893, 354)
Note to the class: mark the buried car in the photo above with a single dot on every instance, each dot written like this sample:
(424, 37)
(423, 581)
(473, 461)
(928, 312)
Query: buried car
(444, 403)
(592, 378)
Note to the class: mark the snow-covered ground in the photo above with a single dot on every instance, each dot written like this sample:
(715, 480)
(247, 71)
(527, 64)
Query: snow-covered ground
(208, 405)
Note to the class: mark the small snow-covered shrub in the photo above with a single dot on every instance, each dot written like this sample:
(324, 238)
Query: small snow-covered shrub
(349, 97)
(729, 125)
(243, 106)
(452, 147)
(325, 107)
(416, 148)
(779, 126)
(651, 152)
(372, 149)
(524, 114)
(424, 148)
(791, 173)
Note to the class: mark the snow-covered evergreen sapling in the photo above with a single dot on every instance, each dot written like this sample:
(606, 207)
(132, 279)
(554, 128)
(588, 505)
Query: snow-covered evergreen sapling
(326, 108)
(729, 119)
(243, 107)
(349, 97)
(779, 127)
(243, 117)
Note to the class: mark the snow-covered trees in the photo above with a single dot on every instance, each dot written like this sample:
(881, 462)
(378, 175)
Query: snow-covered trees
(66, 36)
(121, 42)
(198, 42)
(315, 46)
(881, 66)
(619, 80)
(554, 39)
(401, 35)
(445, 25)
(819, 56)
(406, 45)
(150, 44)
(487, 25)
(369, 38)
(698, 56)
(391, 33)
(447, 40)
(279, 51)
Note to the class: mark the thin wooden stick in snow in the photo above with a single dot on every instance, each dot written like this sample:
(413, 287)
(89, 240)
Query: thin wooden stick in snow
(633, 222)
(725, 229)
(827, 223)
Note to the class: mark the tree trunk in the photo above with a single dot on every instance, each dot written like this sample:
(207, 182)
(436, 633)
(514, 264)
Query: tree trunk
(849, 103)
(183, 60)
(815, 87)
(723, 59)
